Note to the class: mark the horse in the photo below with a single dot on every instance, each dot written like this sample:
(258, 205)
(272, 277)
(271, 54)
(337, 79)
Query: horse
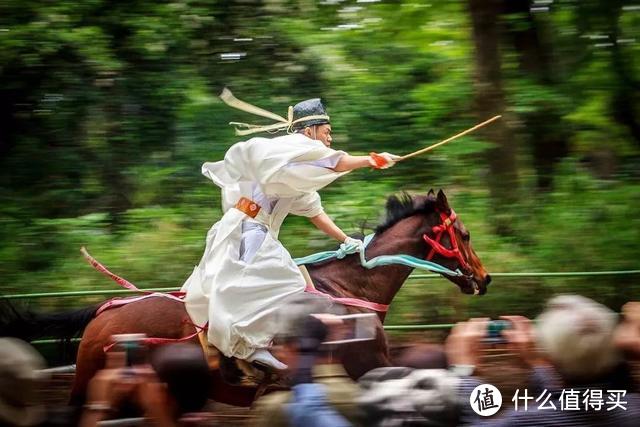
(423, 226)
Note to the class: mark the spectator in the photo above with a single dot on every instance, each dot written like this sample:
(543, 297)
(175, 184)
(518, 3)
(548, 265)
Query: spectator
(627, 336)
(322, 392)
(21, 377)
(571, 348)
(576, 336)
(174, 384)
(422, 356)
(308, 406)
(184, 370)
(405, 396)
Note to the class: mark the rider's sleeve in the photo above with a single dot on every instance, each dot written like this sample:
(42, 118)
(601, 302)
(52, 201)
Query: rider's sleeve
(328, 162)
(308, 205)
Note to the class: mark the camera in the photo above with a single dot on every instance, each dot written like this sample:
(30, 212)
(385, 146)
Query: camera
(494, 331)
(356, 327)
(133, 346)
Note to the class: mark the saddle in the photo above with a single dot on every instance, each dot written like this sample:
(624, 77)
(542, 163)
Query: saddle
(236, 371)
(240, 372)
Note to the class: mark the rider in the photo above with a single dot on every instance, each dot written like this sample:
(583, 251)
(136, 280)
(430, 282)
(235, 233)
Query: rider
(246, 274)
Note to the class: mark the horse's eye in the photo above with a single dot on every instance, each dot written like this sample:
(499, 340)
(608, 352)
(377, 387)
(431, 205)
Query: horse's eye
(466, 236)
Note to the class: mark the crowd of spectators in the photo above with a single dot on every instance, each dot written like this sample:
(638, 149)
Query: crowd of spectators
(579, 353)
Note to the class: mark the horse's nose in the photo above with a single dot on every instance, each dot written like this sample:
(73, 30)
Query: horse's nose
(487, 279)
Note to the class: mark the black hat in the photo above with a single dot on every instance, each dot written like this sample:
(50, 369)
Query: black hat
(311, 108)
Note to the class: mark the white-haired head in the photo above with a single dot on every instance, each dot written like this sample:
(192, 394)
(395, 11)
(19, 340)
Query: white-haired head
(576, 333)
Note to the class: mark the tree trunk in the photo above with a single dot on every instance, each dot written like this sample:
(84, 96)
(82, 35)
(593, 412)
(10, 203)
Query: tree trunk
(625, 100)
(489, 100)
(548, 139)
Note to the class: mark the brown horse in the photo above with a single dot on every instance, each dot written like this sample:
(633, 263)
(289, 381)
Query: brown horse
(408, 229)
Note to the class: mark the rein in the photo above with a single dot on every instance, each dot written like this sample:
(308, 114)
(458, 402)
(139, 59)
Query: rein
(402, 259)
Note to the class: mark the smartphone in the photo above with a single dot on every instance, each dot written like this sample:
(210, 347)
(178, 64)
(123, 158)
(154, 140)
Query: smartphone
(133, 346)
(494, 331)
(356, 327)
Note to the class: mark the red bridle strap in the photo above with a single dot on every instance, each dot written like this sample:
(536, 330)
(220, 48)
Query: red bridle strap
(436, 246)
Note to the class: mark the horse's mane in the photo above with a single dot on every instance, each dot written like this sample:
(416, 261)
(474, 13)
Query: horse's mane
(404, 206)
(398, 208)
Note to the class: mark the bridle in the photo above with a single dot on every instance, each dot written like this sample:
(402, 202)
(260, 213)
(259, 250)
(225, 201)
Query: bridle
(436, 246)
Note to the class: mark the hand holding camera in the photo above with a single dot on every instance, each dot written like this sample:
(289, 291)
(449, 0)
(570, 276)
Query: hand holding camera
(466, 340)
(127, 381)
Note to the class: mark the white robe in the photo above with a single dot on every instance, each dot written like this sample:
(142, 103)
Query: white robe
(239, 298)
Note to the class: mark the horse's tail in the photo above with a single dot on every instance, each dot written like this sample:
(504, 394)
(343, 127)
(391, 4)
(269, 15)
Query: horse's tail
(29, 325)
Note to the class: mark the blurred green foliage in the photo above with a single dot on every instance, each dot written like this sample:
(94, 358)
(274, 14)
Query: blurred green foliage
(108, 109)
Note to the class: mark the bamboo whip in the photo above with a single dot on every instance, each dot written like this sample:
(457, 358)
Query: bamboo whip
(431, 147)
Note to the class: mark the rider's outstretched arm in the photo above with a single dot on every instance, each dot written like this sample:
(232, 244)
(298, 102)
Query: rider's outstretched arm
(328, 227)
(374, 160)
(349, 162)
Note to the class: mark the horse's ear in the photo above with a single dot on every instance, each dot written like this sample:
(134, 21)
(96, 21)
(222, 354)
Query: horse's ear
(442, 204)
(431, 193)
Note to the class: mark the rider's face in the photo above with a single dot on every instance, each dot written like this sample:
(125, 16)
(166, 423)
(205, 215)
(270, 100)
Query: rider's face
(320, 132)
